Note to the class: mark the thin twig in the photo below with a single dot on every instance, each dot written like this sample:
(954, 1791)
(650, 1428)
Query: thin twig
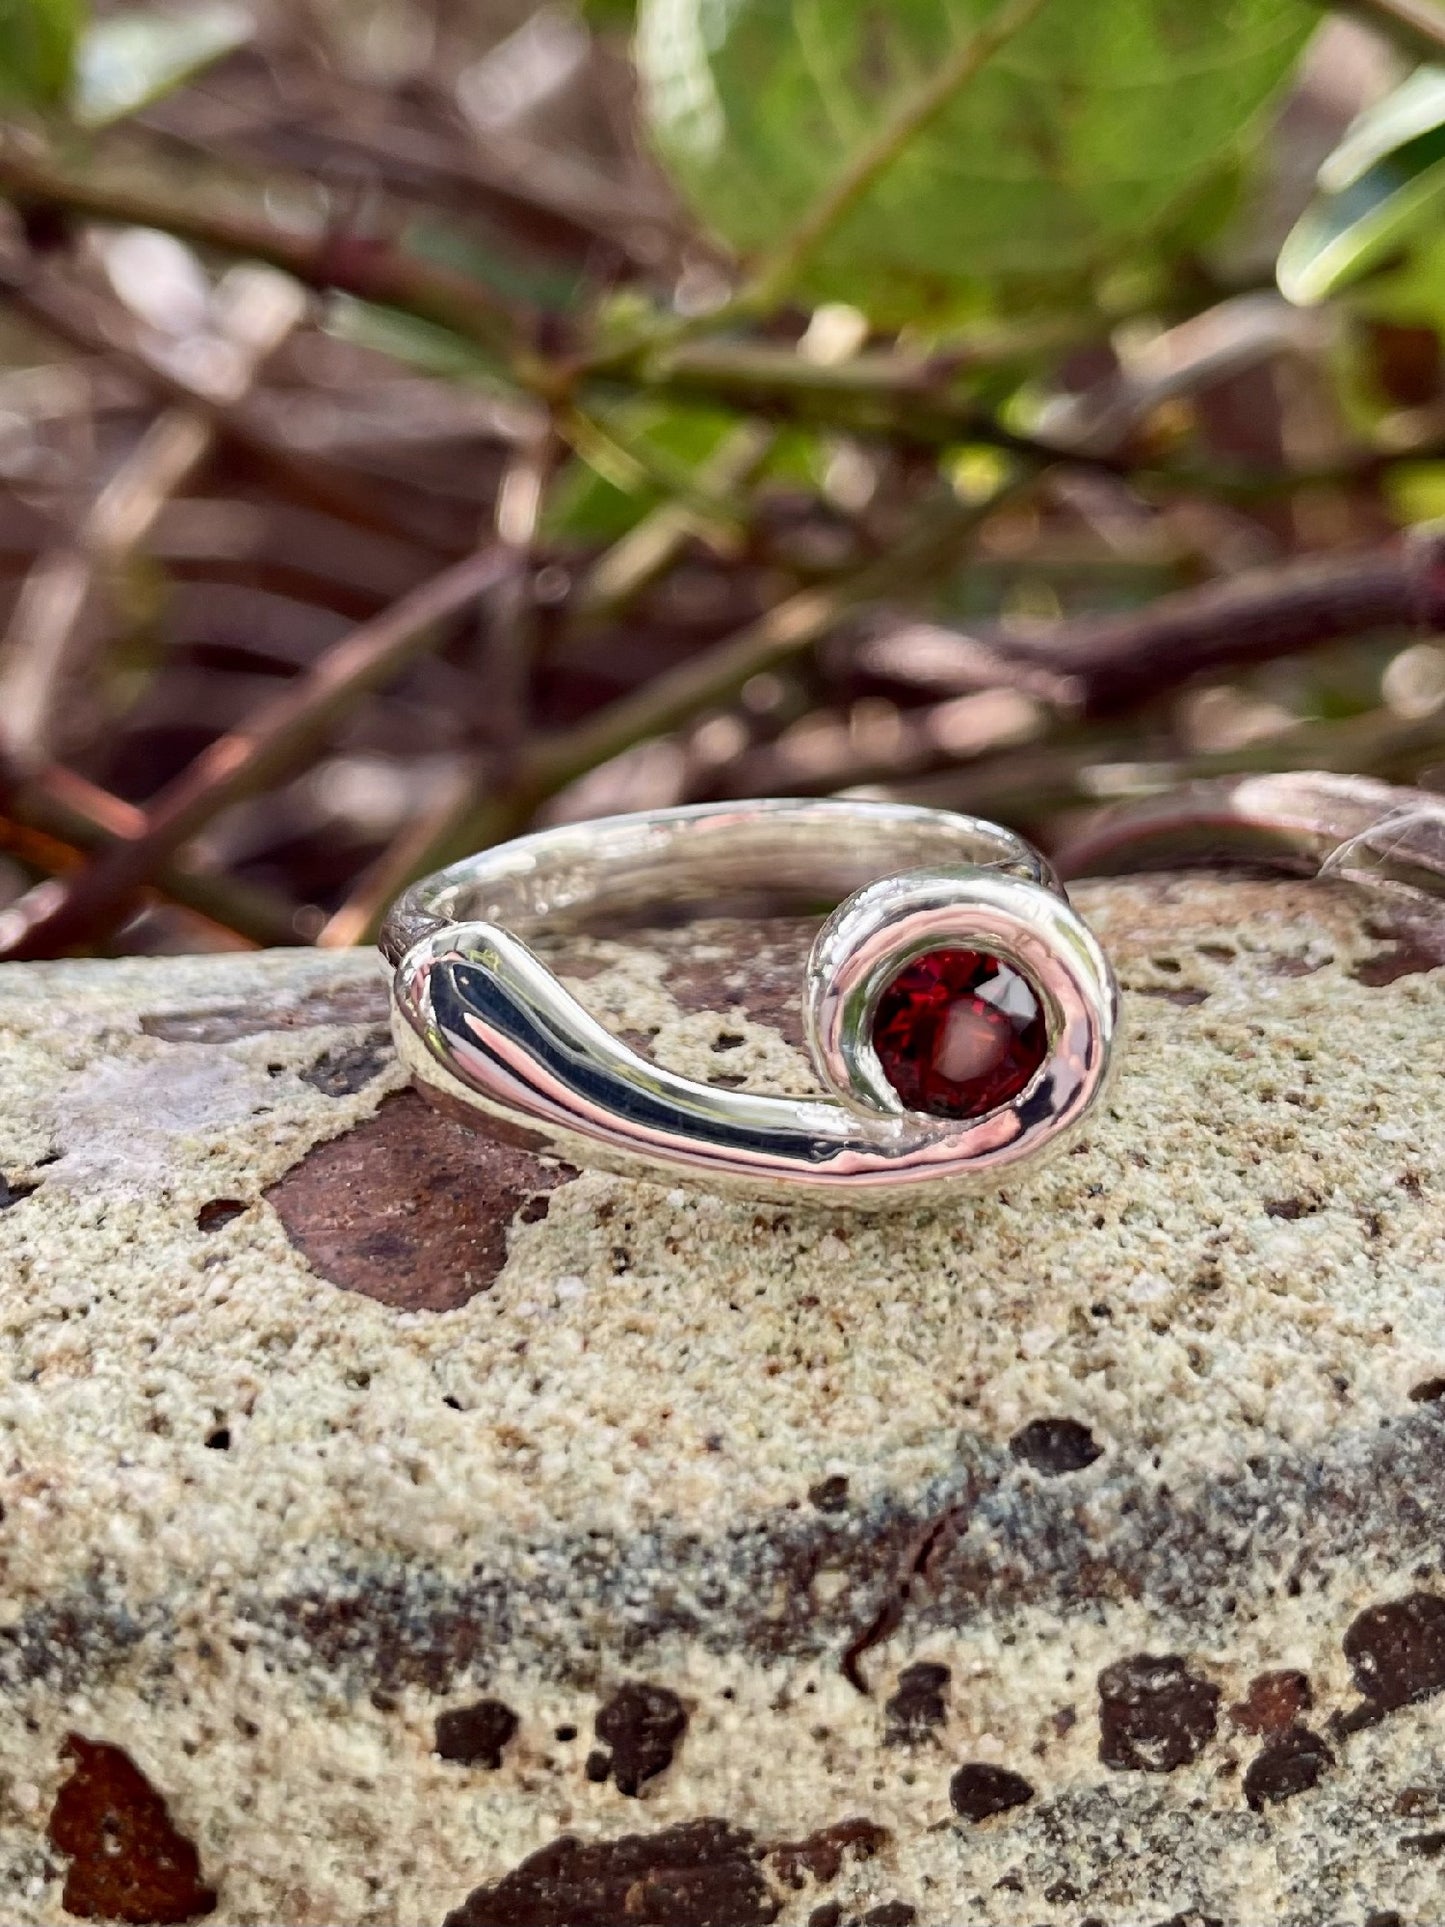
(53, 857)
(545, 193)
(784, 632)
(907, 398)
(308, 478)
(403, 859)
(44, 651)
(632, 463)
(370, 269)
(678, 696)
(1030, 788)
(511, 638)
(640, 556)
(53, 920)
(1097, 669)
(73, 813)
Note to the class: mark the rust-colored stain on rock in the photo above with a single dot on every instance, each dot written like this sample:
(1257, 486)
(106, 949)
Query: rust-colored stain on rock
(766, 979)
(704, 1873)
(1415, 943)
(1274, 1703)
(410, 1208)
(821, 1856)
(127, 1860)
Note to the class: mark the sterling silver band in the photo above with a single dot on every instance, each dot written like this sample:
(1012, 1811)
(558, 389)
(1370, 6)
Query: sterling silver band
(482, 1022)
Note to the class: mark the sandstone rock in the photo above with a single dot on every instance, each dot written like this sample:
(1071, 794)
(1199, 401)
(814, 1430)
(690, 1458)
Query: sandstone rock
(397, 1527)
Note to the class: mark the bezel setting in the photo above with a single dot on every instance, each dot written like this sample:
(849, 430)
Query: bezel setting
(883, 928)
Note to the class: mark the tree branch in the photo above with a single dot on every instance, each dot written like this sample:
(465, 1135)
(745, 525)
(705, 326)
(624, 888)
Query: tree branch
(55, 918)
(1119, 662)
(48, 641)
(370, 269)
(308, 478)
(75, 816)
(1029, 788)
(783, 633)
(908, 398)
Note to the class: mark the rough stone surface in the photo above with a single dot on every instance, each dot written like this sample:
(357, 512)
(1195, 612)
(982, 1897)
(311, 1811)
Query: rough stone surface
(321, 1421)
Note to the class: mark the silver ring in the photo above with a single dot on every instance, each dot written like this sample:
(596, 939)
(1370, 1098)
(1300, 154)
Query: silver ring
(953, 977)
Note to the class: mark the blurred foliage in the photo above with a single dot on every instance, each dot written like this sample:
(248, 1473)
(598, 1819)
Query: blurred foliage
(38, 41)
(1086, 134)
(126, 60)
(1384, 184)
(837, 377)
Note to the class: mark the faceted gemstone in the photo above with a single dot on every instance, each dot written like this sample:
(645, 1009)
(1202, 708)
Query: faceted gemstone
(959, 1032)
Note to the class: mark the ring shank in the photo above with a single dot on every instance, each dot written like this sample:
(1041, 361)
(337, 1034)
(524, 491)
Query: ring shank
(822, 849)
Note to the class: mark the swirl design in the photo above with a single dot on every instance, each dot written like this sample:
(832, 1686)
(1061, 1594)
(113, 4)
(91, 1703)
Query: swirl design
(481, 1020)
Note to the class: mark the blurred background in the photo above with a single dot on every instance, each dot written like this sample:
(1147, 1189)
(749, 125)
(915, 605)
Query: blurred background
(420, 419)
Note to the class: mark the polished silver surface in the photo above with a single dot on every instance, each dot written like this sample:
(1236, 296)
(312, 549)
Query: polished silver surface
(484, 1023)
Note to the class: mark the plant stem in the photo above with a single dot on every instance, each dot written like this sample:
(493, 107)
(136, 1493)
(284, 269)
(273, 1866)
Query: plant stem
(308, 477)
(907, 398)
(48, 645)
(1029, 788)
(44, 923)
(776, 637)
(1118, 662)
(716, 676)
(631, 463)
(63, 809)
(640, 556)
(405, 857)
(370, 269)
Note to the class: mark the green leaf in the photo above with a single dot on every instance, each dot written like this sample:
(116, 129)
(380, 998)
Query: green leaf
(128, 59)
(1083, 134)
(423, 345)
(1383, 183)
(605, 15)
(588, 506)
(37, 46)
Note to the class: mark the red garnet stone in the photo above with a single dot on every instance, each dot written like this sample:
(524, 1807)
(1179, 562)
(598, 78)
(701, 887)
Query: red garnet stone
(958, 1033)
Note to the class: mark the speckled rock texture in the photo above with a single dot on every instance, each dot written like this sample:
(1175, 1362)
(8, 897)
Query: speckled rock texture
(399, 1529)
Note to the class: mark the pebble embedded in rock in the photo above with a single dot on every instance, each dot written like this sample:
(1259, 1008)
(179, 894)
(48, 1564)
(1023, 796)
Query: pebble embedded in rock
(979, 1790)
(1154, 1714)
(475, 1735)
(1397, 1650)
(1055, 1446)
(642, 1725)
(917, 1703)
(1290, 1764)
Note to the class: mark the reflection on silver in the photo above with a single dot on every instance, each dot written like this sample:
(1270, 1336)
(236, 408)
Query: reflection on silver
(483, 1022)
